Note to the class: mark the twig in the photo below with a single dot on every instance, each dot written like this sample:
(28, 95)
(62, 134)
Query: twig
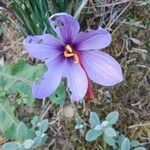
(123, 46)
(45, 112)
(139, 125)
(53, 122)
(51, 143)
(84, 106)
(46, 105)
(143, 66)
(78, 12)
(114, 31)
(94, 9)
(43, 103)
(113, 4)
(109, 26)
(3, 5)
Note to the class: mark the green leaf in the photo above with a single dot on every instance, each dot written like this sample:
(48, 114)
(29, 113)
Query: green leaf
(120, 139)
(8, 122)
(64, 5)
(79, 127)
(110, 132)
(31, 133)
(92, 135)
(112, 117)
(10, 146)
(98, 127)
(140, 148)
(109, 140)
(10, 132)
(28, 144)
(32, 16)
(135, 143)
(58, 97)
(37, 142)
(94, 119)
(34, 121)
(22, 131)
(104, 124)
(79, 124)
(40, 139)
(125, 144)
(43, 126)
(19, 77)
(78, 120)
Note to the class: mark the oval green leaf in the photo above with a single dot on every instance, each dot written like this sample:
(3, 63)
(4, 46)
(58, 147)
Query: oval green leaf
(112, 117)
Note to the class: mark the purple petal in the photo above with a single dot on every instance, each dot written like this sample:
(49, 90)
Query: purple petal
(53, 58)
(102, 68)
(51, 80)
(42, 46)
(94, 39)
(77, 81)
(66, 26)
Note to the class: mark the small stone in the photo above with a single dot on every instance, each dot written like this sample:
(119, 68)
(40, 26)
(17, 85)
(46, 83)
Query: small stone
(68, 111)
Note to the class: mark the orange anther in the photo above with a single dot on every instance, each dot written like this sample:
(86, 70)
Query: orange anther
(69, 53)
(66, 54)
(69, 48)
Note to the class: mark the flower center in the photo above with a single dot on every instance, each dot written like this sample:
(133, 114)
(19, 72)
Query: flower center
(69, 52)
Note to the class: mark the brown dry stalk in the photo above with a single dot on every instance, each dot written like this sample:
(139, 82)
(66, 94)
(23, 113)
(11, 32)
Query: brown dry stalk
(139, 125)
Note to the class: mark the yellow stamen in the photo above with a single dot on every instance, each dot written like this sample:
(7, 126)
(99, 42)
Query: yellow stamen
(69, 53)
(66, 54)
(69, 48)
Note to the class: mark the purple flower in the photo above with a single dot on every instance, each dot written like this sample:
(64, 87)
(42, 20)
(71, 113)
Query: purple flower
(73, 55)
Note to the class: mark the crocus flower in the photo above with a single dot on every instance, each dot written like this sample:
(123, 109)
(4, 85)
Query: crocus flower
(73, 55)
